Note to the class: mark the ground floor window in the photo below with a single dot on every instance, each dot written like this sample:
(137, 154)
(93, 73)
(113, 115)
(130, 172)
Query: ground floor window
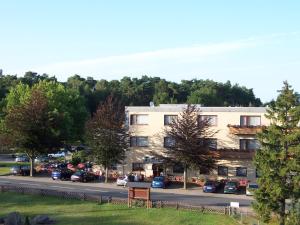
(241, 171)
(178, 168)
(137, 166)
(222, 170)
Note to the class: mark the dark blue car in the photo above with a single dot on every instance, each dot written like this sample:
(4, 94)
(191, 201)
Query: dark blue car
(63, 174)
(159, 182)
(210, 186)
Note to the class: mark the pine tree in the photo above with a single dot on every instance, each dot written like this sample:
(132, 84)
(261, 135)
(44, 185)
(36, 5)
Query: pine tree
(278, 160)
(191, 142)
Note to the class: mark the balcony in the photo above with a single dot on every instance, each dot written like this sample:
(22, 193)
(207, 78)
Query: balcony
(233, 154)
(244, 130)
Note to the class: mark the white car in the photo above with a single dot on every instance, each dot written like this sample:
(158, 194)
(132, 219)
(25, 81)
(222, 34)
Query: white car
(58, 154)
(122, 181)
(251, 188)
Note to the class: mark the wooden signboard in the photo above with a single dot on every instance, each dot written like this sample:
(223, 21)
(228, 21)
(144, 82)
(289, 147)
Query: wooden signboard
(140, 191)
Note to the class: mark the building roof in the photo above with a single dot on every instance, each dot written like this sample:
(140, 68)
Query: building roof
(180, 107)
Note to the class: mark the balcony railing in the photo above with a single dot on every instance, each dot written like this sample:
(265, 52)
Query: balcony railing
(233, 154)
(250, 130)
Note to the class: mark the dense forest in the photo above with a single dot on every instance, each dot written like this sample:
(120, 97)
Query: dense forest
(141, 91)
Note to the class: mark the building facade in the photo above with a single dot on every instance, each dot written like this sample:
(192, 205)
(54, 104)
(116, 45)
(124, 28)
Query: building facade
(234, 143)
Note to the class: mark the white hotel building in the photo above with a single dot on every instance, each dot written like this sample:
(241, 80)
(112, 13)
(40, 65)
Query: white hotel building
(234, 143)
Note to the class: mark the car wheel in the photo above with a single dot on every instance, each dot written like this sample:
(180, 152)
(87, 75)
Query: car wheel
(84, 180)
(53, 178)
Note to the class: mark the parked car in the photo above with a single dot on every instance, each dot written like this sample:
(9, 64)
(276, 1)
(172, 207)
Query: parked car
(61, 174)
(122, 181)
(41, 159)
(22, 158)
(82, 176)
(58, 154)
(211, 186)
(231, 187)
(251, 187)
(20, 170)
(160, 182)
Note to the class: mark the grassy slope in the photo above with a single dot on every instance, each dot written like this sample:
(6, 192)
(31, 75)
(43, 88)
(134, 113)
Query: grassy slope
(67, 212)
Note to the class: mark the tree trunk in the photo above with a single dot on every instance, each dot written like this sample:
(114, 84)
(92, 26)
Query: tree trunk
(31, 166)
(185, 177)
(282, 213)
(106, 174)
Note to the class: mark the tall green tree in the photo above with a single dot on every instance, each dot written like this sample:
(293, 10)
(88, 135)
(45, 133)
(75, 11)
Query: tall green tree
(33, 128)
(278, 160)
(107, 134)
(190, 137)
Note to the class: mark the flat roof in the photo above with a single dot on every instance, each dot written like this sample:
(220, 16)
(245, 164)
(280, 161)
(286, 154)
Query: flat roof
(180, 107)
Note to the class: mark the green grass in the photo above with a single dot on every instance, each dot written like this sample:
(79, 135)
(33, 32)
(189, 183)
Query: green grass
(4, 170)
(67, 212)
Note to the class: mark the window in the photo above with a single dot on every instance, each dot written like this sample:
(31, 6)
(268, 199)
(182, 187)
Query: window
(257, 173)
(212, 119)
(138, 141)
(139, 119)
(222, 170)
(211, 143)
(137, 166)
(241, 171)
(169, 142)
(113, 166)
(249, 144)
(169, 118)
(178, 168)
(250, 121)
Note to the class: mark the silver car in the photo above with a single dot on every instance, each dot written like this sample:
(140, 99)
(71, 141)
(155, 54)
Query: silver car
(22, 158)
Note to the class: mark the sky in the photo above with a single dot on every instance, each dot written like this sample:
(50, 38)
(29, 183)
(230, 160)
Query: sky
(253, 43)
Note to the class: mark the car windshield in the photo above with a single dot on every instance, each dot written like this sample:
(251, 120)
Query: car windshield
(25, 167)
(15, 167)
(78, 173)
(253, 186)
(209, 183)
(158, 179)
(231, 184)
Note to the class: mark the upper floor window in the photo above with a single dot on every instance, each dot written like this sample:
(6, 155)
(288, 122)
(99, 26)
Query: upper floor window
(212, 119)
(138, 141)
(249, 144)
(169, 118)
(250, 121)
(141, 119)
(211, 143)
(241, 171)
(169, 142)
(222, 171)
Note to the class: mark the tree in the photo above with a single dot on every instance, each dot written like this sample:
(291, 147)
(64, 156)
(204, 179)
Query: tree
(107, 134)
(278, 159)
(33, 127)
(190, 138)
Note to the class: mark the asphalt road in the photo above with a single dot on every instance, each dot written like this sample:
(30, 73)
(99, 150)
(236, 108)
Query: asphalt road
(122, 192)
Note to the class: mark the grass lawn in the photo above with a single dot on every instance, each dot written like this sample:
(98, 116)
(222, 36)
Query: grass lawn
(4, 170)
(67, 212)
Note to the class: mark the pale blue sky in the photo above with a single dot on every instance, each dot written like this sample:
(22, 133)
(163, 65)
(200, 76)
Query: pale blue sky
(254, 43)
